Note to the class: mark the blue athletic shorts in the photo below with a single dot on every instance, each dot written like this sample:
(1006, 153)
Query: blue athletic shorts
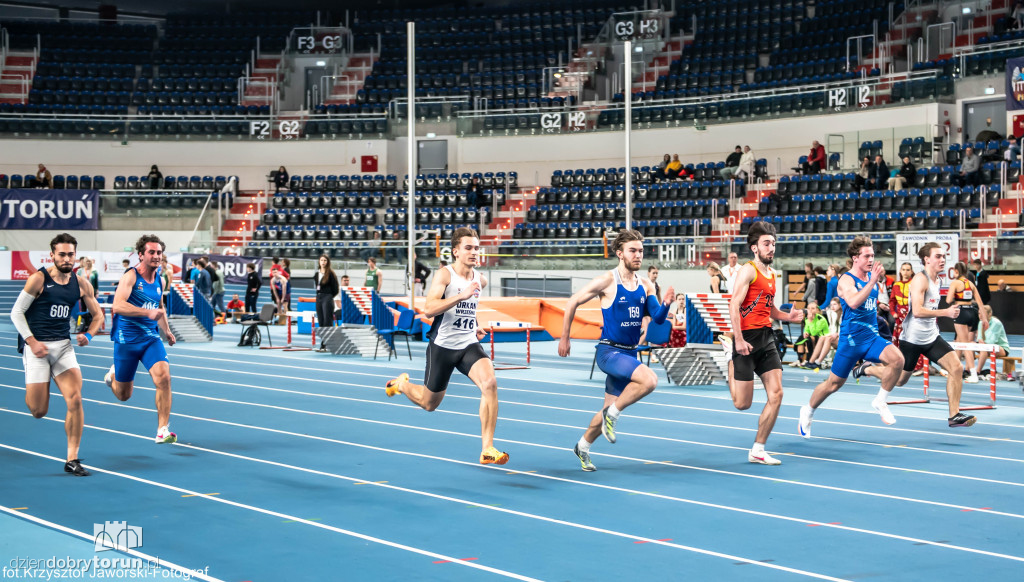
(127, 357)
(848, 354)
(618, 365)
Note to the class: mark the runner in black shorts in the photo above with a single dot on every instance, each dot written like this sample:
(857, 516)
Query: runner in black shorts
(455, 342)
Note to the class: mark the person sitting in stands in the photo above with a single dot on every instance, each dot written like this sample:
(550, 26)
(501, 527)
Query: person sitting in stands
(674, 168)
(860, 179)
(815, 159)
(732, 164)
(905, 177)
(970, 169)
(879, 176)
(659, 170)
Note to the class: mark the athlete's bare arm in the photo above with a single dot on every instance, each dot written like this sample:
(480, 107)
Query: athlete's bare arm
(739, 293)
(436, 303)
(124, 291)
(480, 333)
(847, 290)
(597, 287)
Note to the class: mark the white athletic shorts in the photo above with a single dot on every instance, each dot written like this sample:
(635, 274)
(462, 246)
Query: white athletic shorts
(60, 358)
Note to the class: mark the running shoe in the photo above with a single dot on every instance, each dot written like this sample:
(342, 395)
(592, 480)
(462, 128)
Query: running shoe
(882, 409)
(961, 419)
(859, 371)
(806, 418)
(74, 466)
(493, 456)
(608, 426)
(762, 458)
(584, 458)
(165, 436)
(972, 378)
(109, 377)
(726, 347)
(395, 385)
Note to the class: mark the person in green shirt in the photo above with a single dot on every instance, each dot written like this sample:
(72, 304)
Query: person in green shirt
(995, 334)
(815, 327)
(374, 277)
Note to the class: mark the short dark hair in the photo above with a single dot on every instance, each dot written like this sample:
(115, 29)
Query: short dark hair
(276, 260)
(926, 250)
(63, 239)
(819, 270)
(858, 242)
(250, 267)
(140, 245)
(651, 268)
(624, 237)
(759, 229)
(461, 233)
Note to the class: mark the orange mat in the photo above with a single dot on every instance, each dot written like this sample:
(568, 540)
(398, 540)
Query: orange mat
(546, 313)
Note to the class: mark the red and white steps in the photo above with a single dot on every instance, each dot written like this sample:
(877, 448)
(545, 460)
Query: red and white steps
(16, 74)
(360, 65)
(243, 217)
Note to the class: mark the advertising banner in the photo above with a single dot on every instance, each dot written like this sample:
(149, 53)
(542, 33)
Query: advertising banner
(233, 267)
(49, 209)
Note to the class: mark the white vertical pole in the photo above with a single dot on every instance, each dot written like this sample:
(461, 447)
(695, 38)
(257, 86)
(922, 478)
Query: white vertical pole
(410, 28)
(627, 81)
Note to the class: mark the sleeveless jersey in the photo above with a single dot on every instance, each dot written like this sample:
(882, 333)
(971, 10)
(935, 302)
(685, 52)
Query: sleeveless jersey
(859, 325)
(901, 292)
(756, 309)
(145, 295)
(923, 330)
(967, 294)
(49, 315)
(624, 317)
(455, 329)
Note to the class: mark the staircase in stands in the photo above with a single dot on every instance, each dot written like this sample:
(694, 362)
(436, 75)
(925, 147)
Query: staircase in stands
(245, 214)
(16, 73)
(511, 213)
(351, 79)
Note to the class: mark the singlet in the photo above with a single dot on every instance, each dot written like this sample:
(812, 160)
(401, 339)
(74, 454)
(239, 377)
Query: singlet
(144, 295)
(722, 286)
(901, 292)
(923, 330)
(623, 318)
(967, 294)
(48, 316)
(756, 309)
(372, 276)
(455, 329)
(859, 325)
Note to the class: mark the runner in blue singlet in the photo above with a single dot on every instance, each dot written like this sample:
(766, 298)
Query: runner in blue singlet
(858, 336)
(625, 299)
(138, 319)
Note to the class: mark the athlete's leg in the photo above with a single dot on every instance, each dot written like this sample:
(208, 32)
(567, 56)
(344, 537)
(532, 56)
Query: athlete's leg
(438, 371)
(420, 396)
(642, 382)
(160, 372)
(963, 335)
(594, 429)
(482, 374)
(954, 381)
(830, 386)
(70, 385)
(772, 380)
(37, 398)
(892, 361)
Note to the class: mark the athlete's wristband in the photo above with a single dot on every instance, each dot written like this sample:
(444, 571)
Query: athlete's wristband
(88, 336)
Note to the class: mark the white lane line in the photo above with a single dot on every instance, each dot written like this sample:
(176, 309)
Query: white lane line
(151, 560)
(404, 490)
(531, 474)
(350, 533)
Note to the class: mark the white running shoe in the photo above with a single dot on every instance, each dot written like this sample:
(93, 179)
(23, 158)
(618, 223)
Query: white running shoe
(972, 378)
(726, 347)
(165, 436)
(109, 377)
(883, 410)
(806, 418)
(762, 458)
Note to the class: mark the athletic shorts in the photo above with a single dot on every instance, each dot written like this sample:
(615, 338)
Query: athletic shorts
(60, 358)
(968, 316)
(441, 362)
(618, 365)
(763, 356)
(848, 354)
(149, 351)
(933, 351)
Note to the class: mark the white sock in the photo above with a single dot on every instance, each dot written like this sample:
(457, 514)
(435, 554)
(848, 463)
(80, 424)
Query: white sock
(757, 448)
(882, 395)
(583, 445)
(613, 412)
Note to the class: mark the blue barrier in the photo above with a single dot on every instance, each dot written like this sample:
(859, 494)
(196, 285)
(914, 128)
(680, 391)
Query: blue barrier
(349, 312)
(176, 304)
(202, 310)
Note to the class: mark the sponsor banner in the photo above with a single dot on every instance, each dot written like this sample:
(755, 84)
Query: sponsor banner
(233, 267)
(1014, 84)
(49, 209)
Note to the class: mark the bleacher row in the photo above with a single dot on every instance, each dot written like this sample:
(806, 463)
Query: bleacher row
(60, 181)
(617, 210)
(867, 221)
(170, 183)
(664, 191)
(336, 250)
(585, 229)
(912, 199)
(379, 199)
(396, 216)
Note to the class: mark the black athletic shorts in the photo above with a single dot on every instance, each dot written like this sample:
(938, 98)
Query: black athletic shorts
(764, 355)
(933, 351)
(968, 316)
(441, 362)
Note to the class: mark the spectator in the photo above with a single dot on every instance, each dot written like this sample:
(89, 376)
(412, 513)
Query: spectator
(166, 275)
(909, 224)
(806, 288)
(475, 192)
(235, 307)
(905, 177)
(422, 272)
(326, 284)
(396, 247)
(374, 276)
(674, 169)
(900, 300)
(747, 165)
(718, 284)
(252, 288)
(1018, 14)
(981, 280)
(372, 248)
(822, 348)
(731, 270)
(860, 179)
(815, 159)
(345, 281)
(879, 176)
(218, 288)
(280, 179)
(202, 279)
(652, 274)
(286, 264)
(92, 275)
(1002, 286)
(732, 164)
(964, 293)
(43, 178)
(832, 274)
(996, 335)
(970, 169)
(659, 170)
(126, 264)
(275, 266)
(155, 179)
(280, 293)
(1012, 151)
(820, 286)
(677, 337)
(815, 328)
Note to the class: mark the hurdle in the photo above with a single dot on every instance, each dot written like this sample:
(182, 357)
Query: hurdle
(511, 326)
(311, 315)
(991, 349)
